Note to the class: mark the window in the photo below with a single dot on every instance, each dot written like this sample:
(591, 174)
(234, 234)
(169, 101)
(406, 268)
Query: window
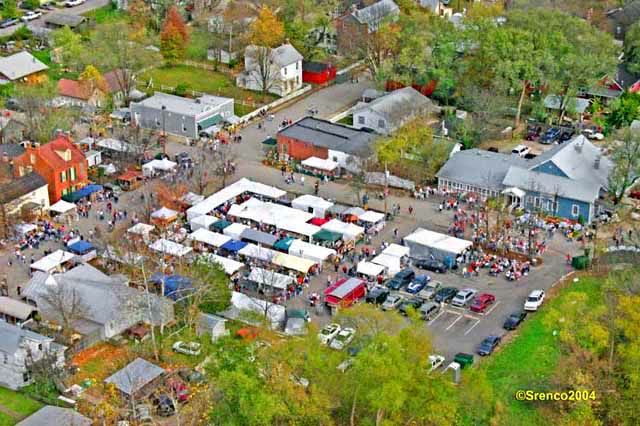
(284, 70)
(536, 202)
(381, 124)
(72, 173)
(26, 376)
(360, 119)
(63, 176)
(33, 158)
(65, 191)
(575, 210)
(297, 65)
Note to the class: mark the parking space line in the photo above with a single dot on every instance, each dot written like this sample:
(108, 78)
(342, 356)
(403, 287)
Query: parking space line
(472, 327)
(454, 322)
(492, 308)
(437, 316)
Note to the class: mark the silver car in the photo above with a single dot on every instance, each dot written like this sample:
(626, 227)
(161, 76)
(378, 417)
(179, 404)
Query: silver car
(392, 302)
(464, 297)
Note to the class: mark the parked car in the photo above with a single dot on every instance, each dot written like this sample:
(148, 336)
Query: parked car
(392, 302)
(414, 303)
(533, 133)
(488, 345)
(401, 279)
(328, 332)
(179, 389)
(482, 302)
(429, 291)
(72, 3)
(431, 265)
(142, 414)
(47, 6)
(191, 376)
(187, 348)
(550, 136)
(342, 340)
(5, 23)
(566, 135)
(377, 295)
(164, 405)
(445, 294)
(514, 320)
(30, 16)
(429, 310)
(593, 133)
(463, 297)
(418, 283)
(435, 361)
(534, 300)
(520, 150)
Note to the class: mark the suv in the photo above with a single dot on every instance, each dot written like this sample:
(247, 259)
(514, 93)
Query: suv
(464, 297)
(514, 320)
(534, 300)
(550, 136)
(431, 265)
(401, 279)
(521, 150)
(414, 303)
(429, 310)
(445, 294)
(377, 295)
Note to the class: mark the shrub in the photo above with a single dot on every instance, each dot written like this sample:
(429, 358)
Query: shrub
(181, 89)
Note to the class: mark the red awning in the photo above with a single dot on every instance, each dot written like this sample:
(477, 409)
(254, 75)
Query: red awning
(318, 221)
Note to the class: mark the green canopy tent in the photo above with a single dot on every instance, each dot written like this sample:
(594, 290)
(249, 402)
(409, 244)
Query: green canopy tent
(284, 244)
(220, 225)
(325, 235)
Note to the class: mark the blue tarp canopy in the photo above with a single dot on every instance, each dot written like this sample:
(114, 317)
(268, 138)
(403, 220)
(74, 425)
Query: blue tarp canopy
(175, 286)
(81, 193)
(233, 246)
(284, 244)
(81, 247)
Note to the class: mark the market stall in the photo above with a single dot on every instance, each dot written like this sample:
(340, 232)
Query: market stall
(241, 304)
(220, 225)
(256, 252)
(170, 248)
(393, 264)
(204, 238)
(293, 263)
(235, 230)
(233, 246)
(83, 192)
(202, 222)
(320, 167)
(352, 214)
(372, 221)
(424, 243)
(56, 261)
(230, 266)
(130, 180)
(310, 203)
(158, 166)
(300, 229)
(190, 199)
(261, 238)
(396, 250)
(310, 251)
(267, 278)
(164, 216)
(84, 250)
(141, 231)
(62, 207)
(349, 231)
(370, 270)
(283, 244)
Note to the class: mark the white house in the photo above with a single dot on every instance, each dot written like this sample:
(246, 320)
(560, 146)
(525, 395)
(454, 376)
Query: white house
(277, 71)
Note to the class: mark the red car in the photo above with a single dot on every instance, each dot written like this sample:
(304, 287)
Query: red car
(482, 302)
(179, 389)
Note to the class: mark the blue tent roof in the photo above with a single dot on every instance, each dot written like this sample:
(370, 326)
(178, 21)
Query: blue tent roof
(80, 247)
(175, 286)
(82, 192)
(233, 245)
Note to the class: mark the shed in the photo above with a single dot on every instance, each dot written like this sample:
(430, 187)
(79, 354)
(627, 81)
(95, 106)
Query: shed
(52, 415)
(317, 72)
(14, 311)
(212, 324)
(135, 376)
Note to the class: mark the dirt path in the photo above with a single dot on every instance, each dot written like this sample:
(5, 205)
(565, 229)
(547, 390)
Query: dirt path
(10, 413)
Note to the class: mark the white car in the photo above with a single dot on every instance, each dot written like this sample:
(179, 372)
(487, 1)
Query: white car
(593, 134)
(464, 297)
(343, 338)
(521, 150)
(72, 3)
(328, 333)
(435, 361)
(187, 348)
(30, 16)
(534, 300)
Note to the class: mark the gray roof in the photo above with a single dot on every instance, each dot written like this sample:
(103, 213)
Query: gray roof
(285, 55)
(183, 106)
(480, 168)
(258, 236)
(209, 321)
(135, 376)
(400, 105)
(11, 336)
(12, 150)
(20, 65)
(64, 20)
(578, 105)
(372, 15)
(50, 415)
(337, 137)
(21, 186)
(15, 308)
(551, 184)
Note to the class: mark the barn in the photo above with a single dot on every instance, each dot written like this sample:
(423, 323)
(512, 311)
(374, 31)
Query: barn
(317, 72)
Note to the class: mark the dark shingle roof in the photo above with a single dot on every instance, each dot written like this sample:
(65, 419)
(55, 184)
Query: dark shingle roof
(20, 186)
(12, 150)
(330, 135)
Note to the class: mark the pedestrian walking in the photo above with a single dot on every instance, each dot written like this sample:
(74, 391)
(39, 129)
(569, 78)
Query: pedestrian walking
(302, 180)
(410, 210)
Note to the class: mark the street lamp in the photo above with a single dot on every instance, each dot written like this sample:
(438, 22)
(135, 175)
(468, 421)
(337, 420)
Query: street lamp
(164, 131)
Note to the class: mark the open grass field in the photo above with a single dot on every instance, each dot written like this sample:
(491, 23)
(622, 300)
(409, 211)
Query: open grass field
(18, 403)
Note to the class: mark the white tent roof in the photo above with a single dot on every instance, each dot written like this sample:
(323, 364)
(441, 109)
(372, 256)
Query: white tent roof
(115, 145)
(396, 250)
(241, 302)
(52, 261)
(170, 248)
(303, 202)
(392, 263)
(203, 221)
(301, 228)
(191, 198)
(25, 228)
(234, 230)
(452, 245)
(371, 216)
(164, 213)
(293, 262)
(319, 163)
(164, 164)
(269, 213)
(256, 252)
(348, 230)
(438, 241)
(370, 269)
(141, 228)
(270, 278)
(230, 266)
(310, 251)
(207, 237)
(62, 206)
(231, 192)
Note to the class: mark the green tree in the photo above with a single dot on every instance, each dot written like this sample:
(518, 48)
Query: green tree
(71, 50)
(10, 9)
(31, 4)
(632, 48)
(623, 111)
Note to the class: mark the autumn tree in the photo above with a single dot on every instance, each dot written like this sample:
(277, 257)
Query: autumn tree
(93, 79)
(626, 164)
(267, 30)
(174, 37)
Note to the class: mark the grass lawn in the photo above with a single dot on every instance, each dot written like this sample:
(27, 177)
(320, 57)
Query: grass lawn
(6, 420)
(199, 39)
(18, 402)
(531, 358)
(201, 80)
(348, 120)
(106, 15)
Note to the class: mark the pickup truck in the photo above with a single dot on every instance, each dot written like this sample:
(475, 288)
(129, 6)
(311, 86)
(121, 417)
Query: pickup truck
(434, 362)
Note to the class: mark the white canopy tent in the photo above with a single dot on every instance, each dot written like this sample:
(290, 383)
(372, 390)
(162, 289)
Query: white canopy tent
(370, 269)
(25, 228)
(171, 248)
(424, 243)
(204, 221)
(310, 251)
(300, 228)
(392, 263)
(256, 252)
(268, 278)
(229, 266)
(62, 206)
(141, 229)
(349, 231)
(163, 165)
(116, 145)
(209, 238)
(231, 192)
(371, 216)
(164, 213)
(396, 250)
(234, 230)
(191, 198)
(312, 204)
(294, 263)
(269, 213)
(241, 303)
(320, 164)
(52, 261)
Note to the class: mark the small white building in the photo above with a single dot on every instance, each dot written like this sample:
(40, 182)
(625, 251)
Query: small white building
(277, 71)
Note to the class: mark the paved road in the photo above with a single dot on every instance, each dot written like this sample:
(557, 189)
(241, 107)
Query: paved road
(88, 6)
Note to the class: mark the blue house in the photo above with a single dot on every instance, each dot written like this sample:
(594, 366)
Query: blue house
(569, 180)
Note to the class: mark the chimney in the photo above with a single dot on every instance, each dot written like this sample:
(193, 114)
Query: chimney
(596, 163)
(578, 146)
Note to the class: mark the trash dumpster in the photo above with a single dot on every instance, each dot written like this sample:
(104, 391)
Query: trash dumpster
(580, 263)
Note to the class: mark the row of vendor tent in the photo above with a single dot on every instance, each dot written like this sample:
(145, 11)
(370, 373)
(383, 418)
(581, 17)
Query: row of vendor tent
(387, 263)
(231, 192)
(252, 310)
(170, 248)
(202, 222)
(155, 166)
(229, 266)
(268, 213)
(317, 206)
(267, 278)
(83, 249)
(82, 193)
(423, 243)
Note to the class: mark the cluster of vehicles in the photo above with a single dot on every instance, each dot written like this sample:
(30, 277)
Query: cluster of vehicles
(336, 337)
(560, 134)
(30, 15)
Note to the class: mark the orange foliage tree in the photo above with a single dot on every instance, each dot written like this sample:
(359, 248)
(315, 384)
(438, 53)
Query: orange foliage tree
(267, 30)
(174, 37)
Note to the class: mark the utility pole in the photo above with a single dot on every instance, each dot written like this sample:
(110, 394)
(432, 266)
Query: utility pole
(164, 131)
(386, 188)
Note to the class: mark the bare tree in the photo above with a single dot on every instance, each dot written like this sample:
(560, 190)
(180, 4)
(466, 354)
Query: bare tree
(65, 304)
(260, 69)
(626, 164)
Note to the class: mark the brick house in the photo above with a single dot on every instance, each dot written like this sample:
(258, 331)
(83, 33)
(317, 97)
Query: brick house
(62, 165)
(362, 20)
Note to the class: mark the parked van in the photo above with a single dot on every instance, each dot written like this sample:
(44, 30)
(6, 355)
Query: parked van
(429, 310)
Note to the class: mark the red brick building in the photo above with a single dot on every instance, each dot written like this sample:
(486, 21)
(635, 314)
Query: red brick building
(62, 165)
